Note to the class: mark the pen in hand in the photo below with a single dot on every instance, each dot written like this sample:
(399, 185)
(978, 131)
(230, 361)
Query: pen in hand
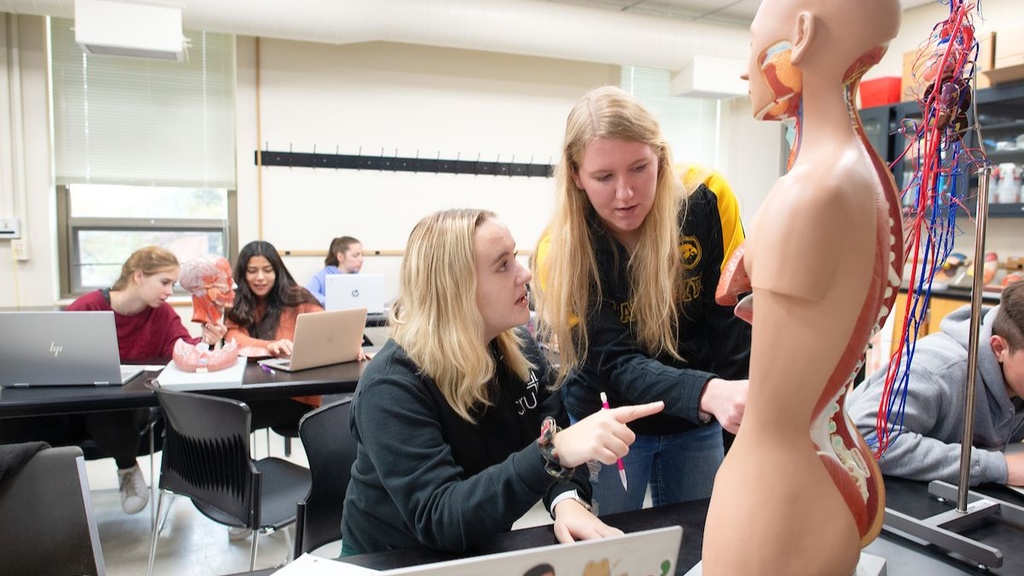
(622, 469)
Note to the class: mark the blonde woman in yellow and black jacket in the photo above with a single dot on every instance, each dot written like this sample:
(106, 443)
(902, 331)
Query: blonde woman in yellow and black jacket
(628, 273)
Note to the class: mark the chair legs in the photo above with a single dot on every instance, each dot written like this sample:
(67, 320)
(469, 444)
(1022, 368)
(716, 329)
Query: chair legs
(156, 534)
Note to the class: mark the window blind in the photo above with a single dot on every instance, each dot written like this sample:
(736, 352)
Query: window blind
(689, 124)
(144, 122)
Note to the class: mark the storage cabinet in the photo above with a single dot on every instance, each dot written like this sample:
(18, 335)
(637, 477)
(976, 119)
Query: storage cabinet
(1000, 114)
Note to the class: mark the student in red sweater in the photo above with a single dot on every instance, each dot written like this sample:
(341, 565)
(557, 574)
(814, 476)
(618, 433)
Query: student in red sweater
(147, 328)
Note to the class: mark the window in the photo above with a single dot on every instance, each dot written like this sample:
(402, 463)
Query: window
(104, 224)
(689, 124)
(144, 154)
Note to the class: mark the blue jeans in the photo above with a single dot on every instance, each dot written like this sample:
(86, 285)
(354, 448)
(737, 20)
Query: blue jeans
(678, 467)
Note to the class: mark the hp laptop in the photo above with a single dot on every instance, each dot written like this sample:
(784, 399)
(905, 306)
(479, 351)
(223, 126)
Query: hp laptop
(355, 291)
(61, 349)
(323, 338)
(650, 552)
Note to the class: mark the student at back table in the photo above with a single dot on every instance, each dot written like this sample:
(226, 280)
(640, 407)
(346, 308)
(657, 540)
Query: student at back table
(147, 328)
(267, 303)
(929, 446)
(345, 256)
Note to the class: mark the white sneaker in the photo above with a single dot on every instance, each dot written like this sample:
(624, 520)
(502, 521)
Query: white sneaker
(134, 493)
(235, 534)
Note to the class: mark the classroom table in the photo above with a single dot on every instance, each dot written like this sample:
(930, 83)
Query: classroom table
(903, 557)
(256, 385)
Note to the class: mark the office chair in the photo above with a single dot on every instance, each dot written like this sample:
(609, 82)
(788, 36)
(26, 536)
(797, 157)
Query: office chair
(48, 517)
(207, 458)
(331, 451)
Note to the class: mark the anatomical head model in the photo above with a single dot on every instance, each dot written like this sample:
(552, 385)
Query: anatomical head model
(208, 279)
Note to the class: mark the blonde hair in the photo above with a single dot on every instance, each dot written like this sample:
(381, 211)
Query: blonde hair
(149, 260)
(436, 319)
(568, 272)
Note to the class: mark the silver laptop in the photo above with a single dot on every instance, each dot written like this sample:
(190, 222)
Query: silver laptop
(355, 291)
(647, 552)
(61, 349)
(323, 338)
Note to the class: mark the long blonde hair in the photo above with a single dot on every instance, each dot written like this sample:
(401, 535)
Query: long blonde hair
(148, 260)
(436, 319)
(567, 268)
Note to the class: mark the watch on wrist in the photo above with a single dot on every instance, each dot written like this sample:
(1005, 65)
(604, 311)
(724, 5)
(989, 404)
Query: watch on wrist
(704, 417)
(548, 429)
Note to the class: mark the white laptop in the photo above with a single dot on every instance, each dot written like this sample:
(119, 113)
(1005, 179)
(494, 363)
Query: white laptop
(323, 338)
(650, 552)
(355, 291)
(61, 349)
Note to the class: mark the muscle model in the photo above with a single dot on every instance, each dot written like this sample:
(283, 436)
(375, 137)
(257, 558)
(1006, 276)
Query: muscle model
(208, 279)
(799, 492)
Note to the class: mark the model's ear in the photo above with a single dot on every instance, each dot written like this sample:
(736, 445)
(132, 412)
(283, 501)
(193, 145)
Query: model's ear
(576, 178)
(802, 39)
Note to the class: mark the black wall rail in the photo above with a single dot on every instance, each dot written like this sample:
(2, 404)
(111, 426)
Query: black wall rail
(399, 164)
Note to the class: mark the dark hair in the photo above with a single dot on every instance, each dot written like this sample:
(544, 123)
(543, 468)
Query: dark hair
(339, 244)
(284, 293)
(1009, 322)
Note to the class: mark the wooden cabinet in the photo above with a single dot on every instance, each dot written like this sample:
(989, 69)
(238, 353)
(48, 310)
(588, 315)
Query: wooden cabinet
(939, 307)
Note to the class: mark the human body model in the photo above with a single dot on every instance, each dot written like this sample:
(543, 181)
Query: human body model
(799, 492)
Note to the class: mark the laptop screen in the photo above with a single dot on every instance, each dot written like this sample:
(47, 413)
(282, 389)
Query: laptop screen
(650, 552)
(59, 349)
(343, 291)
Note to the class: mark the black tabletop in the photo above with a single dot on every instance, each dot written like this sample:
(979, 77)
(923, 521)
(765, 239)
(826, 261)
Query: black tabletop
(903, 557)
(256, 385)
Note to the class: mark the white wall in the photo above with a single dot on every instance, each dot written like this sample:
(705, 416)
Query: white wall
(374, 95)
(34, 282)
(419, 100)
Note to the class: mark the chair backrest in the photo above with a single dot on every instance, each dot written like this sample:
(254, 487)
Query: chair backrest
(206, 456)
(48, 520)
(331, 451)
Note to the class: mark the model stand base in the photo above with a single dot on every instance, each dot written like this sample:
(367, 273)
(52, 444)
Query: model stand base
(941, 529)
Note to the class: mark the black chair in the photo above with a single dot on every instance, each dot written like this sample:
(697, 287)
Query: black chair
(331, 451)
(207, 458)
(47, 514)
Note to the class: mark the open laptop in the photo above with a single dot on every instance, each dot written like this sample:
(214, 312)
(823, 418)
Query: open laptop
(650, 552)
(61, 349)
(323, 338)
(355, 291)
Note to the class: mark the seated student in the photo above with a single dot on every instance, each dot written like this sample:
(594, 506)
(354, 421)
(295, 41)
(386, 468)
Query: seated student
(929, 446)
(345, 256)
(467, 392)
(147, 328)
(267, 303)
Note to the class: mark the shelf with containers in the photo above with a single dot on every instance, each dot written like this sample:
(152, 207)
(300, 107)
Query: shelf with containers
(1000, 113)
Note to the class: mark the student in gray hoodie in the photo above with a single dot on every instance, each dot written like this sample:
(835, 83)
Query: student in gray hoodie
(929, 446)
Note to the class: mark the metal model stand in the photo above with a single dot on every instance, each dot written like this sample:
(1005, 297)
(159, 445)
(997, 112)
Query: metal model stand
(972, 508)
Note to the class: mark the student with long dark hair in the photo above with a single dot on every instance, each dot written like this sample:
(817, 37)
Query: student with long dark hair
(267, 303)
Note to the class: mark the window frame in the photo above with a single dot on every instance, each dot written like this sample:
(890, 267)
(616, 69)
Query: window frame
(68, 228)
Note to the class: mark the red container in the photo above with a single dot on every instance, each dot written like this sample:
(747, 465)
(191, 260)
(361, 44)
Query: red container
(880, 91)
